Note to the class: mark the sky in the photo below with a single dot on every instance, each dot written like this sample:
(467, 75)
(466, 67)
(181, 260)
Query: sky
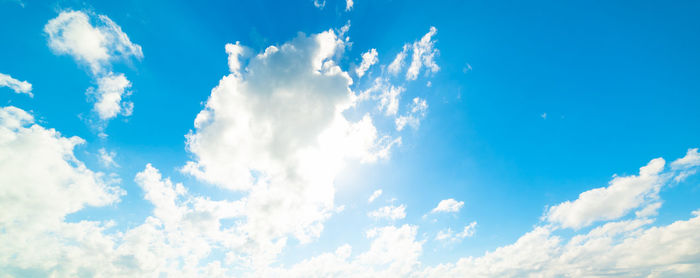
(349, 138)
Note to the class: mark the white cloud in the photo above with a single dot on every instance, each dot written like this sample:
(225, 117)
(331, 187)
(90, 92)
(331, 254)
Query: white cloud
(389, 94)
(348, 5)
(275, 130)
(623, 195)
(107, 158)
(374, 196)
(389, 100)
(96, 46)
(414, 116)
(184, 230)
(396, 65)
(448, 235)
(691, 159)
(41, 181)
(319, 3)
(423, 55)
(72, 33)
(369, 58)
(110, 90)
(448, 205)
(20, 87)
(468, 230)
(686, 166)
(393, 252)
(235, 53)
(389, 213)
(620, 249)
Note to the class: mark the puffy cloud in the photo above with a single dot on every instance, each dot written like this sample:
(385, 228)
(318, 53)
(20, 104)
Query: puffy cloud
(20, 87)
(276, 131)
(414, 116)
(369, 58)
(374, 195)
(621, 249)
(448, 205)
(423, 55)
(182, 232)
(235, 52)
(96, 46)
(110, 90)
(389, 212)
(41, 181)
(72, 33)
(622, 195)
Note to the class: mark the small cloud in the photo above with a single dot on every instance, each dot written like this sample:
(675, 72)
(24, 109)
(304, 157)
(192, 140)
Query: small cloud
(448, 205)
(20, 87)
(369, 58)
(467, 68)
(348, 5)
(389, 212)
(319, 3)
(543, 116)
(375, 195)
(107, 158)
(447, 235)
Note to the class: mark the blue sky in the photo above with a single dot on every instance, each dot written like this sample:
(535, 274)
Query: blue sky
(506, 142)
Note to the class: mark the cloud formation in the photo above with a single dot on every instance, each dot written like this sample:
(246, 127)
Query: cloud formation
(96, 45)
(389, 213)
(20, 87)
(448, 205)
(369, 58)
(280, 136)
(41, 181)
(374, 195)
(623, 195)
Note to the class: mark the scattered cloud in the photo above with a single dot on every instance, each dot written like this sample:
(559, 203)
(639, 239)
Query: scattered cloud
(369, 58)
(389, 100)
(398, 62)
(107, 158)
(97, 46)
(389, 213)
(448, 205)
(374, 196)
(20, 87)
(447, 235)
(414, 115)
(424, 52)
(348, 5)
